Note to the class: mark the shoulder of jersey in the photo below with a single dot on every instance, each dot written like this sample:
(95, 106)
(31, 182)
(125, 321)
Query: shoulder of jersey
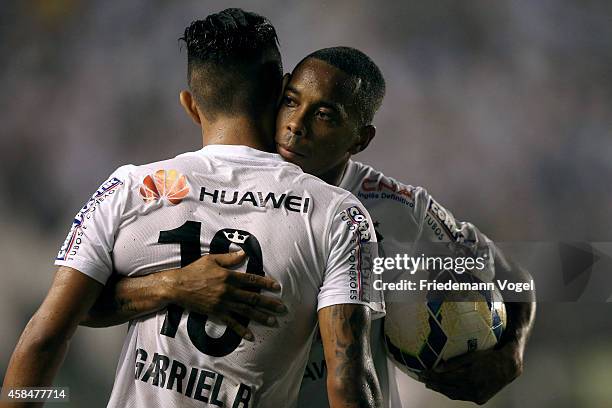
(367, 183)
(170, 174)
(164, 178)
(315, 184)
(138, 172)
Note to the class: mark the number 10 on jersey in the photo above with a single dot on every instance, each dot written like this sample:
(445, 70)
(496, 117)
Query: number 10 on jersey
(188, 237)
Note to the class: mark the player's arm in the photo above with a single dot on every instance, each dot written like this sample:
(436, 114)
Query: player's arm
(44, 341)
(481, 375)
(344, 313)
(351, 379)
(205, 286)
(521, 315)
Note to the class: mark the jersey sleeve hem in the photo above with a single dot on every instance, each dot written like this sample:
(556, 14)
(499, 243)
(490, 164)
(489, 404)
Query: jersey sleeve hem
(378, 309)
(86, 268)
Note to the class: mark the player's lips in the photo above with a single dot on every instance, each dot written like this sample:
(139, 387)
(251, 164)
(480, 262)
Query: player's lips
(288, 152)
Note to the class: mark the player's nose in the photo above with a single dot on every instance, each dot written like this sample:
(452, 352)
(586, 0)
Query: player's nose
(296, 126)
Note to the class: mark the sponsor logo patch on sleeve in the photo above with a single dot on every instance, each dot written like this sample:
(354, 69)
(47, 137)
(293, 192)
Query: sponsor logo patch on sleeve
(357, 221)
(360, 256)
(73, 240)
(442, 223)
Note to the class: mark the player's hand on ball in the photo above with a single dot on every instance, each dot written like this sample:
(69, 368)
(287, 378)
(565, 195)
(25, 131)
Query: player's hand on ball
(206, 286)
(477, 376)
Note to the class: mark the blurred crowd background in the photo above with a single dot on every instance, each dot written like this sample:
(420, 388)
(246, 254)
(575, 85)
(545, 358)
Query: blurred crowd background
(502, 110)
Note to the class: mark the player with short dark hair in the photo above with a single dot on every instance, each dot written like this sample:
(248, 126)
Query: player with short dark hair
(224, 82)
(370, 83)
(305, 239)
(319, 127)
(358, 89)
(233, 66)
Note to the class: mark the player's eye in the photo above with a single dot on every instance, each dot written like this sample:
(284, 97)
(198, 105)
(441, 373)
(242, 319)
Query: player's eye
(289, 102)
(324, 115)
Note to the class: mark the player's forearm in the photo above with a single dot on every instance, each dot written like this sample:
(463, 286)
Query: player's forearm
(521, 315)
(44, 342)
(126, 299)
(351, 379)
(359, 388)
(35, 361)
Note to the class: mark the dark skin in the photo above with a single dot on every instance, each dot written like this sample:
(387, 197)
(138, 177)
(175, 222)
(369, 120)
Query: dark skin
(44, 342)
(70, 301)
(344, 346)
(478, 376)
(218, 291)
(319, 127)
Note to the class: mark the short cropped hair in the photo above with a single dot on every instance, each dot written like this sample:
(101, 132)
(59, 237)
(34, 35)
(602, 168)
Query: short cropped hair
(233, 62)
(357, 65)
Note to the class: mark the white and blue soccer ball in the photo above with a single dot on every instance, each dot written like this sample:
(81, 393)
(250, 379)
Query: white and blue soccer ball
(419, 336)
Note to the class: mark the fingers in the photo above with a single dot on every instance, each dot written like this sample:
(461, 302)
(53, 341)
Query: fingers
(463, 361)
(241, 330)
(229, 259)
(452, 392)
(456, 377)
(250, 312)
(459, 393)
(244, 279)
(457, 387)
(253, 281)
(256, 300)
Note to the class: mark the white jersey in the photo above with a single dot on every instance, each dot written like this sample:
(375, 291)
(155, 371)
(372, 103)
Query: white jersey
(310, 237)
(403, 215)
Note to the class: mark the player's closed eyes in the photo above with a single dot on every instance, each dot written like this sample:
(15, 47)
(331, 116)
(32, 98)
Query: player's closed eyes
(289, 102)
(328, 117)
(323, 115)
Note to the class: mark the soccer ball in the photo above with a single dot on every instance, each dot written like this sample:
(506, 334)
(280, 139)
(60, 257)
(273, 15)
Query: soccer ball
(419, 336)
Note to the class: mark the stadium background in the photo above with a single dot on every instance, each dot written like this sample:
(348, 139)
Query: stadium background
(501, 109)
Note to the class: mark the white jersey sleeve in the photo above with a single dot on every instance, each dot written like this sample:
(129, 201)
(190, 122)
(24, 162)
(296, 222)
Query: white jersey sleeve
(438, 225)
(89, 244)
(406, 220)
(348, 276)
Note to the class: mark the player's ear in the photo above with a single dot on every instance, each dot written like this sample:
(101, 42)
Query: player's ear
(188, 103)
(286, 79)
(366, 134)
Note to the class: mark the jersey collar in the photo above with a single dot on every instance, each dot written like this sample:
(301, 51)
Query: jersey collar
(239, 151)
(347, 180)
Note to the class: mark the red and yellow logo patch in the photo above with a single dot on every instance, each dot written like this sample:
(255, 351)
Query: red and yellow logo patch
(168, 184)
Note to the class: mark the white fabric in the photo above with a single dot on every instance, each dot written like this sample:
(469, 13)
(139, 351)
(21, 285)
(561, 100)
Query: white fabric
(308, 233)
(402, 215)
